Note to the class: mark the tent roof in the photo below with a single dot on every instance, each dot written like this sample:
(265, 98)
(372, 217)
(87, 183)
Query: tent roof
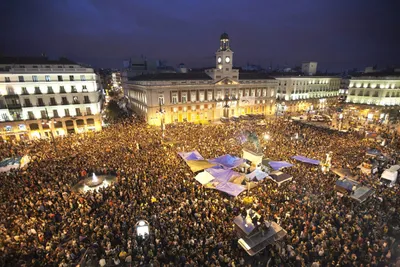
(193, 155)
(306, 160)
(222, 175)
(230, 188)
(280, 176)
(228, 161)
(198, 165)
(276, 165)
(204, 177)
(258, 174)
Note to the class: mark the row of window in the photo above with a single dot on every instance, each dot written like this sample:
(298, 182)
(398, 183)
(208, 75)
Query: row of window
(375, 94)
(53, 102)
(45, 115)
(36, 67)
(24, 91)
(47, 78)
(310, 82)
(373, 85)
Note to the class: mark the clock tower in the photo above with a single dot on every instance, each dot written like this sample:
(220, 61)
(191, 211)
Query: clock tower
(224, 54)
(223, 63)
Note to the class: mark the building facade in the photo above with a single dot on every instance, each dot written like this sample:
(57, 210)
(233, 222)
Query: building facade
(201, 97)
(304, 93)
(41, 97)
(376, 96)
(375, 90)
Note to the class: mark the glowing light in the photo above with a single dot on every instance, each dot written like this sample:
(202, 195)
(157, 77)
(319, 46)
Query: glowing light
(267, 137)
(94, 178)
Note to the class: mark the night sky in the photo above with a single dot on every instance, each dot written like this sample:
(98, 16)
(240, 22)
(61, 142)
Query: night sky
(338, 34)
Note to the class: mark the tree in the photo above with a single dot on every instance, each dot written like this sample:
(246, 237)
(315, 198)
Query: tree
(114, 113)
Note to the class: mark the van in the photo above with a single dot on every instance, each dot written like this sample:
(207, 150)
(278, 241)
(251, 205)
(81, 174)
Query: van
(389, 176)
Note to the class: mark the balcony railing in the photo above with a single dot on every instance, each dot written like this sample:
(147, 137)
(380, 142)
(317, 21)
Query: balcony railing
(40, 104)
(14, 106)
(28, 105)
(53, 104)
(76, 102)
(65, 102)
(87, 101)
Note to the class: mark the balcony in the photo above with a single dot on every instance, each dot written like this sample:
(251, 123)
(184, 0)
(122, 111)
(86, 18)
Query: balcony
(40, 104)
(53, 104)
(28, 105)
(87, 102)
(31, 118)
(76, 102)
(38, 92)
(14, 106)
(65, 103)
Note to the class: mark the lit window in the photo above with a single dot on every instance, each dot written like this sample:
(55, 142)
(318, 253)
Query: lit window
(47, 78)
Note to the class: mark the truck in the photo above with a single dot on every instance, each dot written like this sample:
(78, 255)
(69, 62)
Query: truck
(389, 176)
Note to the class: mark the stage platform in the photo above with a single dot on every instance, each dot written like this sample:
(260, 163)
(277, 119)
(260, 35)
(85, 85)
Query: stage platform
(253, 240)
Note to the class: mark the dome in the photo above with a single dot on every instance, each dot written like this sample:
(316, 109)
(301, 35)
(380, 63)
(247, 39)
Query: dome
(224, 36)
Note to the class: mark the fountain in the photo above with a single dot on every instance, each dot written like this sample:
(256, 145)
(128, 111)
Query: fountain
(94, 181)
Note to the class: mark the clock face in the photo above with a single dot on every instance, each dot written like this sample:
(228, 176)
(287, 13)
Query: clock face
(227, 59)
(219, 59)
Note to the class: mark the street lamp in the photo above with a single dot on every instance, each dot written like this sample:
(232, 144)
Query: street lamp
(161, 112)
(226, 106)
(48, 122)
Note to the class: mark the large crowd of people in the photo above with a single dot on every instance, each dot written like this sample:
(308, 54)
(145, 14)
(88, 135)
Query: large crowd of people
(43, 222)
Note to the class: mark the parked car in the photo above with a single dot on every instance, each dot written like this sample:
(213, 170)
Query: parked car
(224, 120)
(244, 117)
(235, 119)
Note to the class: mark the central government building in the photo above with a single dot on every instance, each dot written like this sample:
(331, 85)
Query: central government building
(222, 91)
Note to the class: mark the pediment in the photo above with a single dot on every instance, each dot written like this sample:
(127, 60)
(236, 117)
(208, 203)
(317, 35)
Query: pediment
(226, 81)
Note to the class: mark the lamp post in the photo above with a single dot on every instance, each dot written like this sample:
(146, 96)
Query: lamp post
(161, 112)
(226, 106)
(49, 123)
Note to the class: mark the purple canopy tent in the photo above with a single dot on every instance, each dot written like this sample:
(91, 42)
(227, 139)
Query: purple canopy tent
(230, 188)
(222, 175)
(306, 160)
(276, 165)
(193, 155)
(228, 161)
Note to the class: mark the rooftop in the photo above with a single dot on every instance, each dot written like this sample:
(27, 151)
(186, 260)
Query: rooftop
(171, 76)
(302, 75)
(35, 60)
(255, 76)
(377, 74)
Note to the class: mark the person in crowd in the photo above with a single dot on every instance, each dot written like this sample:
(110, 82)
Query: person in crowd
(44, 222)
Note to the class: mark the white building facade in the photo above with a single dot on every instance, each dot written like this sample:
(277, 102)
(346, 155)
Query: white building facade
(303, 93)
(373, 90)
(201, 97)
(40, 97)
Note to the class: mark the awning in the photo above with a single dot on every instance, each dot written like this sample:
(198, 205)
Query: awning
(306, 160)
